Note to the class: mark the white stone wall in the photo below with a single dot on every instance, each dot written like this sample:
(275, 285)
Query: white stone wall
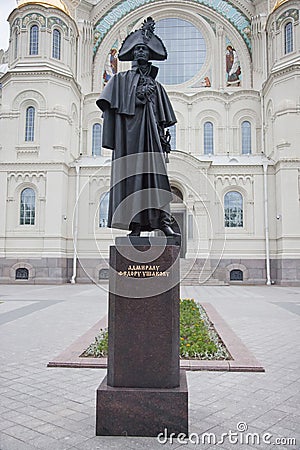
(64, 92)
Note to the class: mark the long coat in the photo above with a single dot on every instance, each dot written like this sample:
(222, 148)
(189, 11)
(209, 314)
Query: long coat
(132, 127)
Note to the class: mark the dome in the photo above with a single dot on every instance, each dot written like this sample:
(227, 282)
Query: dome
(58, 4)
(279, 3)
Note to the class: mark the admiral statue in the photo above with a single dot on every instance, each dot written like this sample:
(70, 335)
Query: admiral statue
(136, 112)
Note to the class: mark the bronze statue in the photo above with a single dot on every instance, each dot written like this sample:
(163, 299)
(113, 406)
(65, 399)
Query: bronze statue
(136, 112)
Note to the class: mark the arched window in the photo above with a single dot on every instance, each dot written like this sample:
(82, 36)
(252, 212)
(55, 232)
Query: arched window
(34, 40)
(103, 210)
(208, 140)
(177, 195)
(233, 209)
(29, 124)
(56, 44)
(172, 131)
(246, 137)
(16, 45)
(97, 139)
(104, 274)
(288, 38)
(27, 207)
(22, 273)
(186, 50)
(236, 275)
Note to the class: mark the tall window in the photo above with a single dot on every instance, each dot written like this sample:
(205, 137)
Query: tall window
(34, 40)
(16, 45)
(96, 139)
(233, 209)
(56, 44)
(288, 38)
(246, 137)
(27, 207)
(29, 125)
(103, 210)
(208, 138)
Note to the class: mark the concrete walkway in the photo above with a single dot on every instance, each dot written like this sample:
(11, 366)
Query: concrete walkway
(54, 408)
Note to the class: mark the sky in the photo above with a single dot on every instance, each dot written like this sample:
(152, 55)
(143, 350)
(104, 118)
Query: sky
(6, 6)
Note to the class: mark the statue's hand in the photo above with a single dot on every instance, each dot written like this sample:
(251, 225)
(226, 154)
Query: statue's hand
(141, 92)
(150, 89)
(145, 90)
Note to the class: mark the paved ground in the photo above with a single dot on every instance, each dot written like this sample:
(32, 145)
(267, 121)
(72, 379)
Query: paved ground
(55, 408)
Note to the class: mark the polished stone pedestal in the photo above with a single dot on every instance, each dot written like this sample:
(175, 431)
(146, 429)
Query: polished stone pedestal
(144, 392)
(142, 412)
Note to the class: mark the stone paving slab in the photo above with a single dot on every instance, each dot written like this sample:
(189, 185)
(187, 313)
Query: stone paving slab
(54, 408)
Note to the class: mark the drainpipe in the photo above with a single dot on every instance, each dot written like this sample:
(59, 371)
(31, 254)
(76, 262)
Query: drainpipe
(265, 168)
(77, 182)
(76, 216)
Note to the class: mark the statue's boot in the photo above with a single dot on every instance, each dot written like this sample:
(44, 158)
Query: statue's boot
(165, 225)
(135, 229)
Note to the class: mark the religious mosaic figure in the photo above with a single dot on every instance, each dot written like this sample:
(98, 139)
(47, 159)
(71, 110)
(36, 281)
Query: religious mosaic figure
(233, 67)
(136, 112)
(111, 66)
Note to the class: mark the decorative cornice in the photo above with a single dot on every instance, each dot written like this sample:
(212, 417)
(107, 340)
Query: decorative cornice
(211, 94)
(44, 73)
(234, 169)
(25, 149)
(235, 179)
(28, 173)
(280, 71)
(43, 165)
(10, 115)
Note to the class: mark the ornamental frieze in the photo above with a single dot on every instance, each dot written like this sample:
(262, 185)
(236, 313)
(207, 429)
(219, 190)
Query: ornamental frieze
(43, 21)
(34, 17)
(224, 8)
(290, 13)
(57, 21)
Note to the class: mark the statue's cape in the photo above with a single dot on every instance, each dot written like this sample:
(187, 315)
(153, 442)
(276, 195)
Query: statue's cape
(119, 97)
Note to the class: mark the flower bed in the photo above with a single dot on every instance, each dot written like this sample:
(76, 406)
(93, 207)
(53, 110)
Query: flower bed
(198, 337)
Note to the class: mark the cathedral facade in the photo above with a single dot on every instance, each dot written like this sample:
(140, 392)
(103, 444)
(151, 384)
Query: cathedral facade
(233, 77)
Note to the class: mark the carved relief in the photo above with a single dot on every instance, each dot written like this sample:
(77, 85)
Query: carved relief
(291, 13)
(56, 21)
(36, 17)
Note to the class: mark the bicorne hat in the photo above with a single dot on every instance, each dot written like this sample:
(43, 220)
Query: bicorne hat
(145, 35)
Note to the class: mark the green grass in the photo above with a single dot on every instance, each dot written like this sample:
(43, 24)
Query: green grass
(198, 338)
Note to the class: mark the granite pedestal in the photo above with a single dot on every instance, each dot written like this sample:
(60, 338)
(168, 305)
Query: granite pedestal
(144, 392)
(142, 412)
